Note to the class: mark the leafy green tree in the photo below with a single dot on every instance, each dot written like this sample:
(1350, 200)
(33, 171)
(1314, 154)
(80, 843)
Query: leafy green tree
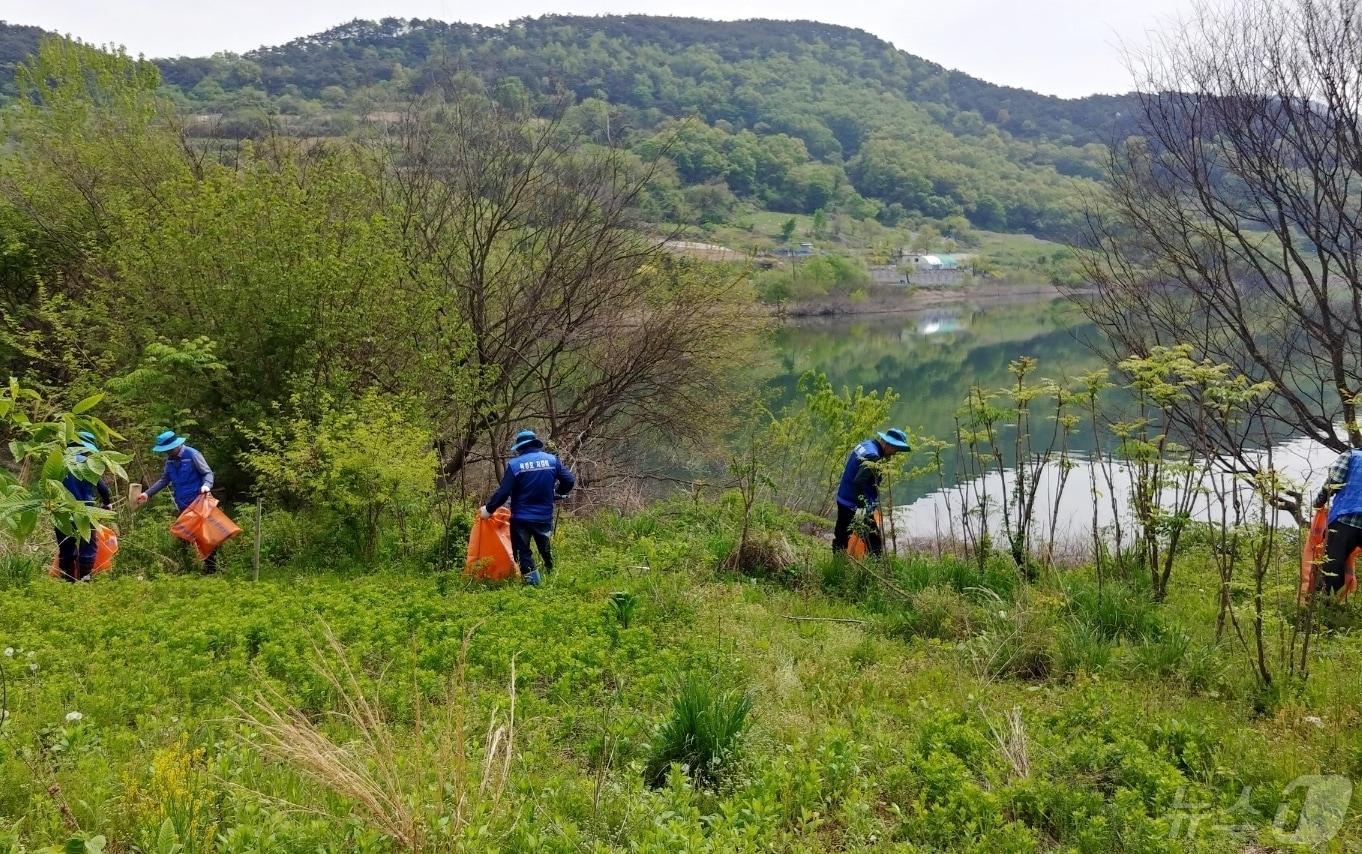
(174, 386)
(987, 212)
(787, 230)
(284, 265)
(957, 228)
(88, 138)
(712, 203)
(927, 238)
(41, 456)
(811, 437)
(512, 95)
(820, 222)
(333, 96)
(361, 464)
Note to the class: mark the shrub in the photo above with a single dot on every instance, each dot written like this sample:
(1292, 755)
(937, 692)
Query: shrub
(1202, 668)
(764, 555)
(958, 735)
(920, 571)
(621, 606)
(809, 440)
(1082, 648)
(451, 546)
(18, 569)
(701, 733)
(937, 613)
(1017, 644)
(1162, 654)
(365, 462)
(285, 536)
(1113, 611)
(1192, 746)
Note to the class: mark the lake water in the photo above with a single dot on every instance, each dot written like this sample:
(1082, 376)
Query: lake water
(933, 358)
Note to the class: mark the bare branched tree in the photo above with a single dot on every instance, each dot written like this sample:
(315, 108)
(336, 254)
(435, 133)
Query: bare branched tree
(525, 245)
(1232, 222)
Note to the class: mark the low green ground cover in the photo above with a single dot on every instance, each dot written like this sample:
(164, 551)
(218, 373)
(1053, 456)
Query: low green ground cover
(914, 705)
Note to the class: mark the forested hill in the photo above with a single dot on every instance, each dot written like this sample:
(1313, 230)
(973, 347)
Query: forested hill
(624, 57)
(16, 42)
(796, 116)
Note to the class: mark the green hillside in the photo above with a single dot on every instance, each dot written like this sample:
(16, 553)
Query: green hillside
(787, 116)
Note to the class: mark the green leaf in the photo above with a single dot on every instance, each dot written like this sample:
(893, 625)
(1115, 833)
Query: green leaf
(24, 523)
(116, 469)
(167, 839)
(88, 403)
(84, 527)
(55, 467)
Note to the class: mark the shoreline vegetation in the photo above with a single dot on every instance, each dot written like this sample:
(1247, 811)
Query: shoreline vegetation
(888, 301)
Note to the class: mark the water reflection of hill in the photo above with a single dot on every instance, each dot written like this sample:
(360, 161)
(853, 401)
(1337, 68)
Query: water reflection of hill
(932, 359)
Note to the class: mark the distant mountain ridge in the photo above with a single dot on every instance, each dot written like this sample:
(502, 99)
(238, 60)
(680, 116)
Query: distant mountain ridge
(1091, 118)
(907, 135)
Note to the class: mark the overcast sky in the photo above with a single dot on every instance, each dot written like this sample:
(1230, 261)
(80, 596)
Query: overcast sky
(1061, 47)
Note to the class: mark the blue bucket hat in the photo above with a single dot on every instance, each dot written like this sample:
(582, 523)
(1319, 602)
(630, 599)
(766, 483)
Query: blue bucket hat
(895, 438)
(167, 442)
(87, 440)
(526, 439)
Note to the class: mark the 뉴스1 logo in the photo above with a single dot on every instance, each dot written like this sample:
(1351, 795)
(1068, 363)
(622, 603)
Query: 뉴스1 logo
(1310, 812)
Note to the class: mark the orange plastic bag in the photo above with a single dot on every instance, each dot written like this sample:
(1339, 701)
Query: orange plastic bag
(489, 548)
(1312, 555)
(106, 546)
(204, 525)
(856, 547)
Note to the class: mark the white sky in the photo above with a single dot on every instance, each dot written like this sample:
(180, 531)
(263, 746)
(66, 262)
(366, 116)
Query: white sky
(1060, 47)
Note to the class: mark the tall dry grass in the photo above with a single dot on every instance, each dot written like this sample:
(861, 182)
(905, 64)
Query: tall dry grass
(414, 785)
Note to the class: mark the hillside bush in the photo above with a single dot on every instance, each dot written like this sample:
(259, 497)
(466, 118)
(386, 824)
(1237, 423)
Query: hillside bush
(701, 734)
(363, 464)
(1114, 611)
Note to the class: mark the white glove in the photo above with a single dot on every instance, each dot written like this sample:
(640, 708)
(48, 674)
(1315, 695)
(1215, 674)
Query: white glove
(483, 513)
(141, 498)
(203, 490)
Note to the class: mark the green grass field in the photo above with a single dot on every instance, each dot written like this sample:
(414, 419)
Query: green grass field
(919, 705)
(1007, 257)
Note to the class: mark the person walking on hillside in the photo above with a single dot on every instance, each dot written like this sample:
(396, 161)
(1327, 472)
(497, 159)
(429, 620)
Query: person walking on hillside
(1344, 487)
(76, 556)
(533, 481)
(859, 491)
(188, 476)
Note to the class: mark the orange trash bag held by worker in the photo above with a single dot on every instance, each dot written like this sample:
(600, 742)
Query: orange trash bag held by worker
(204, 525)
(1312, 555)
(106, 546)
(856, 545)
(489, 548)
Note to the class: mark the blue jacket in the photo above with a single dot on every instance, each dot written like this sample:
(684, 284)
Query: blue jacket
(1348, 499)
(83, 490)
(531, 481)
(185, 475)
(860, 486)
